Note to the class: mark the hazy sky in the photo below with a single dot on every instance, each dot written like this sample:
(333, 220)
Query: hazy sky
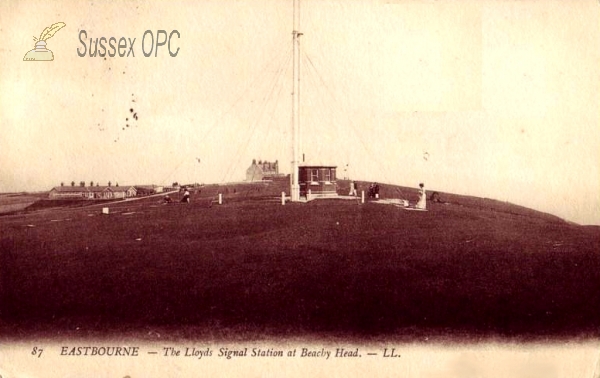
(502, 95)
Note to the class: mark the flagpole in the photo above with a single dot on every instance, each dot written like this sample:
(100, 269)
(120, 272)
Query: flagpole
(295, 186)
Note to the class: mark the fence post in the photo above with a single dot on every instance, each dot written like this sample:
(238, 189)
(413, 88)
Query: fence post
(283, 198)
(362, 196)
(220, 198)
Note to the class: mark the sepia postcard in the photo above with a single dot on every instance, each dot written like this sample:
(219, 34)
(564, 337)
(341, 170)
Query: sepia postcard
(306, 188)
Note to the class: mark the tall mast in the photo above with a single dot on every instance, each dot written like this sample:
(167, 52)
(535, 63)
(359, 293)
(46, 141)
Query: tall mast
(295, 186)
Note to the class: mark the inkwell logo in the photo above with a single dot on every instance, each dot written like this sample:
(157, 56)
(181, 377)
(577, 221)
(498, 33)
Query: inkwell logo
(41, 52)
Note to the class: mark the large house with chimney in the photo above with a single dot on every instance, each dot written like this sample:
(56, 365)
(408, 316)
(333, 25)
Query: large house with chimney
(263, 170)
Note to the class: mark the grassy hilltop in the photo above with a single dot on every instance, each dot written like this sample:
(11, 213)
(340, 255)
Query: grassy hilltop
(470, 268)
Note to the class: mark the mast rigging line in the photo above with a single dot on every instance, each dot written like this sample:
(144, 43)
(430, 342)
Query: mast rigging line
(320, 111)
(294, 181)
(276, 78)
(351, 123)
(254, 126)
(284, 53)
(277, 99)
(257, 80)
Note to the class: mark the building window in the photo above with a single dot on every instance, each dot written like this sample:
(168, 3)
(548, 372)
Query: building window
(327, 175)
(314, 175)
(332, 174)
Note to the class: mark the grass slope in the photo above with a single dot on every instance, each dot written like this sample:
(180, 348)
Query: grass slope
(14, 202)
(326, 268)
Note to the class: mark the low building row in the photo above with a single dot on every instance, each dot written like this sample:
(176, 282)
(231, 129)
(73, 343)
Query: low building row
(102, 192)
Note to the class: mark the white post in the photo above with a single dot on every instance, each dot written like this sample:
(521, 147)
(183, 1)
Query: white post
(220, 199)
(283, 198)
(309, 195)
(362, 196)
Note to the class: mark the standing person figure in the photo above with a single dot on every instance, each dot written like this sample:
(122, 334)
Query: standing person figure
(353, 188)
(186, 196)
(422, 198)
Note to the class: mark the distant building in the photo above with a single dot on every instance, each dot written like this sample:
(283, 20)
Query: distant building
(146, 190)
(68, 192)
(101, 192)
(319, 179)
(92, 192)
(263, 170)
